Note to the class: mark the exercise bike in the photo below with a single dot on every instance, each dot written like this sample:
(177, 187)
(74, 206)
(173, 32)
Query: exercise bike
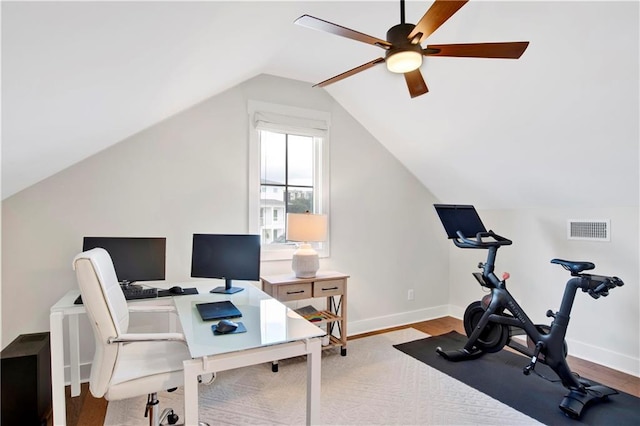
(491, 322)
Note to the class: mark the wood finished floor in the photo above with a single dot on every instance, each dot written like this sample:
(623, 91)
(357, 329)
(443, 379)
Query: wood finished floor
(85, 410)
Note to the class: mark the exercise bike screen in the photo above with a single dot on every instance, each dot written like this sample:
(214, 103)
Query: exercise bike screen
(462, 218)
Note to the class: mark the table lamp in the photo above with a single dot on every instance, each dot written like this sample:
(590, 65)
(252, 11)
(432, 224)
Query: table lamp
(305, 228)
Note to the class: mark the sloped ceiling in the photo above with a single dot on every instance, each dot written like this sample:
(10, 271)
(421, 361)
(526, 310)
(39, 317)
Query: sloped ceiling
(558, 127)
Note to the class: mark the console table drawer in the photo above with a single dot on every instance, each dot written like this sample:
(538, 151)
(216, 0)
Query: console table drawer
(293, 292)
(328, 288)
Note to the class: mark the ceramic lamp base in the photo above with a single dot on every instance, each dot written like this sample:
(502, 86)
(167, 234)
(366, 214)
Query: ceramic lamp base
(305, 262)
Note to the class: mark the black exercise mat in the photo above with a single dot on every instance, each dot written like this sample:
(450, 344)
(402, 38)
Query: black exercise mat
(499, 375)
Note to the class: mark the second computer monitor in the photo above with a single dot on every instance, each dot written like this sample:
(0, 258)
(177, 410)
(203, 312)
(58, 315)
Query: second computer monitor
(134, 258)
(226, 256)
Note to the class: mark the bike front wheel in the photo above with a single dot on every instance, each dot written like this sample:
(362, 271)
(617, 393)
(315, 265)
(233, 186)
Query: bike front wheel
(494, 336)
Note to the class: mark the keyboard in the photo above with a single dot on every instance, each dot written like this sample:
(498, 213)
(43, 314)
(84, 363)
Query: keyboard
(131, 294)
(140, 293)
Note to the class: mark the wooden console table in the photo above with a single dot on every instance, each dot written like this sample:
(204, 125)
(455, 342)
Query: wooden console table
(329, 284)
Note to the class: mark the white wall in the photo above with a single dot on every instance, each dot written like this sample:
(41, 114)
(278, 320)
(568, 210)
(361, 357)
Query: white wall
(604, 330)
(189, 174)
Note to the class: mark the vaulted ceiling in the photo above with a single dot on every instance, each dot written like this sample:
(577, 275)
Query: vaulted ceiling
(558, 127)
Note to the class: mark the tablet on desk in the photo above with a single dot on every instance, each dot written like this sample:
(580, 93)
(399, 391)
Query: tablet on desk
(218, 310)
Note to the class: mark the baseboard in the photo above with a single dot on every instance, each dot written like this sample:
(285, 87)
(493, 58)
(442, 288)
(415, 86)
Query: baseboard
(456, 312)
(598, 355)
(388, 321)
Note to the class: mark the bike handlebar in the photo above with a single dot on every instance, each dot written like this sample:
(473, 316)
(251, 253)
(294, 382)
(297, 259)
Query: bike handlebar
(598, 285)
(498, 240)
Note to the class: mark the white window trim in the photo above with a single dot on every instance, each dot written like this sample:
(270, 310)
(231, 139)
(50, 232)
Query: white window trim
(300, 117)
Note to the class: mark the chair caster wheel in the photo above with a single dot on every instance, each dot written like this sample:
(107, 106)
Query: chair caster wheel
(172, 418)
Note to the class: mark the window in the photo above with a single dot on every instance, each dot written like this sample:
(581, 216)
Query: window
(288, 172)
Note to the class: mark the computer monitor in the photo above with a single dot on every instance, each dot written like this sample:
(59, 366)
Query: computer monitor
(230, 257)
(462, 218)
(134, 258)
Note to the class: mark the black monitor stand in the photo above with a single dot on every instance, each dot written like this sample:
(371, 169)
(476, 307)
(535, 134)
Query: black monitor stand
(227, 289)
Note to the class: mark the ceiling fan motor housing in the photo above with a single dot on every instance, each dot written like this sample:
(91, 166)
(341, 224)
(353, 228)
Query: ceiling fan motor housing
(398, 37)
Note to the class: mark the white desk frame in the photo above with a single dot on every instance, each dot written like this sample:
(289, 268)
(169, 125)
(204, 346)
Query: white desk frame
(209, 364)
(273, 332)
(65, 308)
(309, 345)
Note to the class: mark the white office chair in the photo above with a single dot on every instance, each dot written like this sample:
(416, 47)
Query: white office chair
(126, 364)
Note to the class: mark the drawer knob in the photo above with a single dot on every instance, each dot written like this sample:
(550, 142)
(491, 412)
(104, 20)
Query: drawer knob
(330, 288)
(295, 292)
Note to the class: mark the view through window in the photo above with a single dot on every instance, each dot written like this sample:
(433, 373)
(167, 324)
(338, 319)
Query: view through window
(288, 181)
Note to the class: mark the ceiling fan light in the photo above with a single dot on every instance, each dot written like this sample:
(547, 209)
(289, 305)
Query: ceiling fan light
(404, 61)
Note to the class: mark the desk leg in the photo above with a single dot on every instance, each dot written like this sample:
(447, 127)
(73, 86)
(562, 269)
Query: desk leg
(74, 355)
(312, 348)
(57, 368)
(313, 381)
(192, 368)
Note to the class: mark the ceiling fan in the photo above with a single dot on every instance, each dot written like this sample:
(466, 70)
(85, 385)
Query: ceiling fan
(403, 44)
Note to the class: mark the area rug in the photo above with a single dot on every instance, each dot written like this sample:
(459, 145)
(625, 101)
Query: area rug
(374, 384)
(500, 376)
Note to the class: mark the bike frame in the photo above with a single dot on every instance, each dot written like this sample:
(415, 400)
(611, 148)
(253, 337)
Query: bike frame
(551, 345)
(498, 317)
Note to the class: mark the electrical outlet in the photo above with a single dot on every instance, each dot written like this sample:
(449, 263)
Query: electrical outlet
(410, 294)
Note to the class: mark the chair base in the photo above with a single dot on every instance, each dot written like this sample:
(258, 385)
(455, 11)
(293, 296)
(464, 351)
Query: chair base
(156, 419)
(168, 415)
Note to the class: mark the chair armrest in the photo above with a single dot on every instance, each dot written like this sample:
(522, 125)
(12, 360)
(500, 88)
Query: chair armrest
(142, 308)
(147, 337)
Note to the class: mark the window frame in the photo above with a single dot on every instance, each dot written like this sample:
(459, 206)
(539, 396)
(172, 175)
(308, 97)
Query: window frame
(321, 173)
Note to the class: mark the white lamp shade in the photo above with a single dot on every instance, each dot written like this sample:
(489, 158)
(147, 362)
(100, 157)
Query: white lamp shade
(306, 227)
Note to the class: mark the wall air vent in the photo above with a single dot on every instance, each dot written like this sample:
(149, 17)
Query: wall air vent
(589, 230)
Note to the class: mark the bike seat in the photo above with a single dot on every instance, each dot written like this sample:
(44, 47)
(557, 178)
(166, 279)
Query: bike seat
(574, 267)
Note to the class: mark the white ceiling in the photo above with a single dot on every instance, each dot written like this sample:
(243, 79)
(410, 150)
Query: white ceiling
(558, 127)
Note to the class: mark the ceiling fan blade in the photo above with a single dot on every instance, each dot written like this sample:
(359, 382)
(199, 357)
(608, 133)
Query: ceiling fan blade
(506, 50)
(415, 83)
(437, 15)
(329, 27)
(349, 73)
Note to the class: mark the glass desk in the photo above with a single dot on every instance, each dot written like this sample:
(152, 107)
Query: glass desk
(273, 332)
